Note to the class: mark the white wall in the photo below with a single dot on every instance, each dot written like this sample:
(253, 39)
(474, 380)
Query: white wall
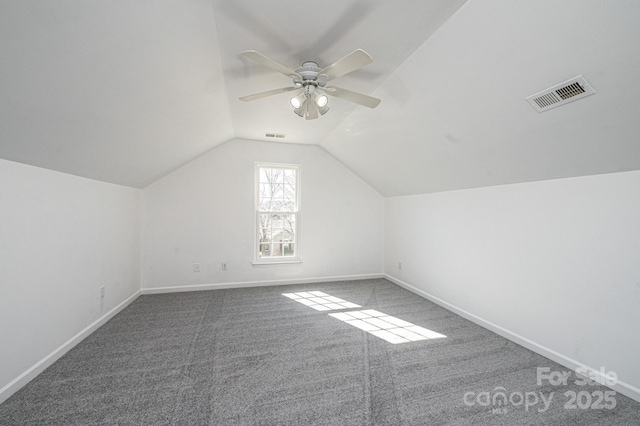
(203, 213)
(62, 237)
(555, 262)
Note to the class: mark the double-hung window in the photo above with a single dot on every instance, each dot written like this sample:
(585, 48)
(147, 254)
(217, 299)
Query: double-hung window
(277, 213)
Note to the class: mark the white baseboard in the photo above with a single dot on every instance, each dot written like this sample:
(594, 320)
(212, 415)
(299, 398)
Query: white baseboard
(620, 386)
(218, 286)
(24, 378)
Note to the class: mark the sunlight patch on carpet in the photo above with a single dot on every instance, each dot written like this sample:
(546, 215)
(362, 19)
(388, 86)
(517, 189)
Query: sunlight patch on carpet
(392, 329)
(320, 301)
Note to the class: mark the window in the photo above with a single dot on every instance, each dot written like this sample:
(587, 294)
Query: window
(277, 213)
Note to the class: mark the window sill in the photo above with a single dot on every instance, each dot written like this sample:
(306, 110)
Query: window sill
(277, 262)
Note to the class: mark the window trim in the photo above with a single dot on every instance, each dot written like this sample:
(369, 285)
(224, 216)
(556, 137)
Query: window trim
(281, 260)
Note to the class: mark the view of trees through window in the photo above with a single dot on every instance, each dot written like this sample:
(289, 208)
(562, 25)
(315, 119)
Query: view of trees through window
(277, 212)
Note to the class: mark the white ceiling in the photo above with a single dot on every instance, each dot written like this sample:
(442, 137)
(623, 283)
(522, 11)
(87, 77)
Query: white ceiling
(294, 32)
(125, 91)
(121, 91)
(465, 122)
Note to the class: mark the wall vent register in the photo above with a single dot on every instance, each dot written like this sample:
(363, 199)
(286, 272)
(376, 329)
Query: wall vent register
(561, 94)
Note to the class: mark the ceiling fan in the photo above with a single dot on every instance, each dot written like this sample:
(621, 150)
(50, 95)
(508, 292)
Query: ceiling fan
(312, 81)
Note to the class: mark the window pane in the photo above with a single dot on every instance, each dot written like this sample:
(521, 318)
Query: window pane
(265, 204)
(289, 175)
(287, 236)
(278, 221)
(276, 249)
(265, 190)
(263, 175)
(276, 190)
(288, 206)
(264, 250)
(264, 235)
(289, 222)
(276, 235)
(271, 175)
(264, 222)
(289, 249)
(289, 190)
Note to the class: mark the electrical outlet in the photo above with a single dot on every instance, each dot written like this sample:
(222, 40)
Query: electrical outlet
(399, 265)
(102, 291)
(196, 267)
(224, 266)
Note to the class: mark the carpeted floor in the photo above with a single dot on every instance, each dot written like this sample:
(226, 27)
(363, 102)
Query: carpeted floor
(255, 357)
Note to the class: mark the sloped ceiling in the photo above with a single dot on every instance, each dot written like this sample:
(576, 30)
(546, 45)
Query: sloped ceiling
(125, 91)
(121, 91)
(454, 114)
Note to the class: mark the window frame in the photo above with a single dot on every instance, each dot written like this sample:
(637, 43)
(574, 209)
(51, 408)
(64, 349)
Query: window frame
(279, 260)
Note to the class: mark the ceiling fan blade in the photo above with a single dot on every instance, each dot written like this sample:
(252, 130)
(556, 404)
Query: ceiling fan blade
(354, 60)
(269, 63)
(312, 111)
(267, 93)
(355, 97)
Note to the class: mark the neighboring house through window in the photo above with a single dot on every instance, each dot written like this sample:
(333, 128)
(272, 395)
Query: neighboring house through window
(277, 213)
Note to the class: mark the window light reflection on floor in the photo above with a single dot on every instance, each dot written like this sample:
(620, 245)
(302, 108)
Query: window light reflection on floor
(320, 301)
(391, 329)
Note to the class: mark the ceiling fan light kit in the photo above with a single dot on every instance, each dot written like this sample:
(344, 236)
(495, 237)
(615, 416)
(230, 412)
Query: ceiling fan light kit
(296, 102)
(312, 100)
(322, 101)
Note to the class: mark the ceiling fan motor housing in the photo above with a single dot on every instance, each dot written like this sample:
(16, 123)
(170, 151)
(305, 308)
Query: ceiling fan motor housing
(309, 71)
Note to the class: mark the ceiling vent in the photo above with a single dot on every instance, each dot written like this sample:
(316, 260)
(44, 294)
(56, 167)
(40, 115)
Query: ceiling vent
(560, 94)
(275, 135)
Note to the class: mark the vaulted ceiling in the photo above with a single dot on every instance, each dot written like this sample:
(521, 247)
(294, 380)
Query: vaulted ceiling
(125, 91)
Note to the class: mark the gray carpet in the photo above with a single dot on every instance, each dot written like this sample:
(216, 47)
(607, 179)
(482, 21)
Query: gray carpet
(254, 357)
